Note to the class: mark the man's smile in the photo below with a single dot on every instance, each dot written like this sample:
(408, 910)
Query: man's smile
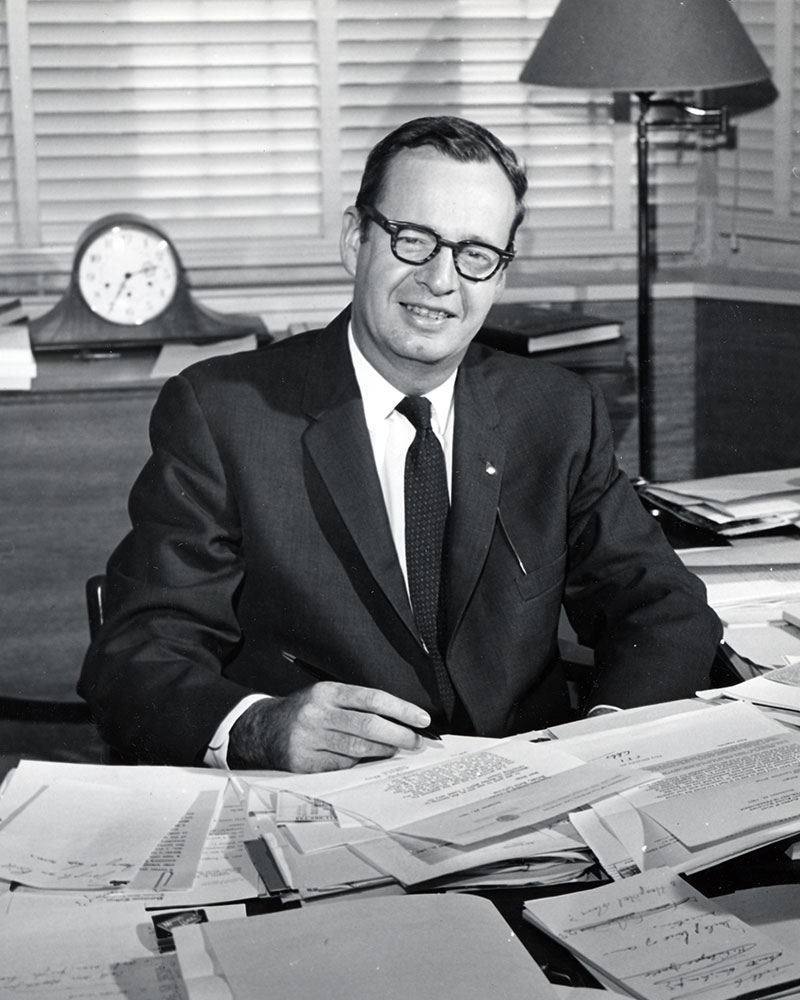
(427, 312)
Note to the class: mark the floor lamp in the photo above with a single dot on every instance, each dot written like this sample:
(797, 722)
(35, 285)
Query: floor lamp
(648, 48)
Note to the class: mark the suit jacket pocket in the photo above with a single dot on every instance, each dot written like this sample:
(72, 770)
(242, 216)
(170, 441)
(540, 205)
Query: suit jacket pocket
(539, 581)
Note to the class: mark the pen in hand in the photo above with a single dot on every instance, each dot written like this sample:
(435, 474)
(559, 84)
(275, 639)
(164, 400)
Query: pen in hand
(427, 732)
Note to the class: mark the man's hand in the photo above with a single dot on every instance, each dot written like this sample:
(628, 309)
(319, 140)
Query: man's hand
(324, 728)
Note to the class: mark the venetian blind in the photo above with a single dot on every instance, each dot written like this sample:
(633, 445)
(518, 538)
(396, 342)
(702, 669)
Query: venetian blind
(759, 183)
(242, 125)
(201, 114)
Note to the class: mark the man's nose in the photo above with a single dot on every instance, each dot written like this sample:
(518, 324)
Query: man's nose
(439, 274)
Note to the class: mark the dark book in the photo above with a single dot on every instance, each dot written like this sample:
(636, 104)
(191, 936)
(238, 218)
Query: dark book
(523, 328)
(606, 355)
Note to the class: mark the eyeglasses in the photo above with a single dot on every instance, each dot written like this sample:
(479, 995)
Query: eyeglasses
(413, 244)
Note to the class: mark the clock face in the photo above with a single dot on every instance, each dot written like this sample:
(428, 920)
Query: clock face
(127, 274)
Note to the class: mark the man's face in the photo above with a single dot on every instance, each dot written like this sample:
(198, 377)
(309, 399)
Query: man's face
(415, 322)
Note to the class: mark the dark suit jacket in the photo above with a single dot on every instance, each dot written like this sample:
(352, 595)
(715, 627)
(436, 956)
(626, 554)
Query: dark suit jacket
(260, 536)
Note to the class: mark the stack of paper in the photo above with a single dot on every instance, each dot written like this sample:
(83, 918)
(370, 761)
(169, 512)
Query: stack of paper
(167, 834)
(754, 585)
(676, 787)
(17, 363)
(713, 783)
(684, 789)
(655, 937)
(466, 812)
(733, 505)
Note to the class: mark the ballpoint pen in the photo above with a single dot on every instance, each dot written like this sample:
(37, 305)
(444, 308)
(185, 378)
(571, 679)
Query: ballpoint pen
(317, 673)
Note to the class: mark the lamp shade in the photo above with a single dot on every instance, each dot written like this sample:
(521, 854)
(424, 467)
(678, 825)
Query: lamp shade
(644, 46)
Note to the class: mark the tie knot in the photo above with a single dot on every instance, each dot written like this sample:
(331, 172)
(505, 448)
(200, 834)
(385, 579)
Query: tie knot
(417, 410)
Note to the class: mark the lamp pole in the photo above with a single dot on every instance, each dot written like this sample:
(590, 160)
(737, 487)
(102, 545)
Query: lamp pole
(643, 324)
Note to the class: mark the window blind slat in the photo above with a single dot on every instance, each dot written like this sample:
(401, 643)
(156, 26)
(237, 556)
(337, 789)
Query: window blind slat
(8, 189)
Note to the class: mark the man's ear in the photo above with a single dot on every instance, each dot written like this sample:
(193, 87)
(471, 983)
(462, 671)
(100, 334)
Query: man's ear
(350, 239)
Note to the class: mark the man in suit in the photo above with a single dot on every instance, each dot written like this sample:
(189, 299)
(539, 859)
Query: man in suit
(273, 544)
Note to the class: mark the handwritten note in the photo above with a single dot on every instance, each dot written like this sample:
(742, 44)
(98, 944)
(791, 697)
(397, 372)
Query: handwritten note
(657, 937)
(60, 951)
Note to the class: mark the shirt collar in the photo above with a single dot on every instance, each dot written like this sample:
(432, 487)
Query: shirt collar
(380, 397)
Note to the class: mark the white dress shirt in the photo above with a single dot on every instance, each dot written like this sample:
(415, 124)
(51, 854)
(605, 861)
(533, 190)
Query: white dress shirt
(390, 434)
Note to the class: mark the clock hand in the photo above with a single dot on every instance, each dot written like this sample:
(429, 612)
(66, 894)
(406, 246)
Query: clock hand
(119, 291)
(147, 269)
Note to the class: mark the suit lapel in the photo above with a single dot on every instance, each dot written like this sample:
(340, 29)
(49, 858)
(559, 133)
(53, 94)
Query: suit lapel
(479, 457)
(338, 444)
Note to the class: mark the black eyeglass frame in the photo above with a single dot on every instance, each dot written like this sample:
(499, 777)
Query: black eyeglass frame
(393, 227)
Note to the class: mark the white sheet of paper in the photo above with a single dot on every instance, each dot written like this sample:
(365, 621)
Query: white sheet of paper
(105, 834)
(651, 744)
(750, 571)
(726, 794)
(30, 775)
(745, 552)
(173, 358)
(764, 690)
(737, 487)
(173, 863)
(777, 583)
(322, 785)
(607, 848)
(765, 643)
(308, 838)
(627, 717)
(336, 870)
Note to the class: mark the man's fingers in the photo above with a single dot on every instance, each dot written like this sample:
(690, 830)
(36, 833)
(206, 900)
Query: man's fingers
(371, 701)
(363, 720)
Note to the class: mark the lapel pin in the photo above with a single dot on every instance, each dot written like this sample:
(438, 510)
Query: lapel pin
(490, 469)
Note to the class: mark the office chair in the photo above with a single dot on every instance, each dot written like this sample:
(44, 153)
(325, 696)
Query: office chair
(95, 611)
(45, 710)
(49, 728)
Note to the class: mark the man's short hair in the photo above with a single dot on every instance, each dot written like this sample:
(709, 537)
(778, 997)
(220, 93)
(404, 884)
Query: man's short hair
(458, 138)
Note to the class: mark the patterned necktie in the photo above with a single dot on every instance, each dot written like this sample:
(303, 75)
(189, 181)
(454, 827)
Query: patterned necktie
(427, 504)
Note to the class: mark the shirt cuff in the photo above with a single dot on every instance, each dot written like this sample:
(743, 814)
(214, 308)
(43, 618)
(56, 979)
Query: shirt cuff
(217, 752)
(601, 710)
